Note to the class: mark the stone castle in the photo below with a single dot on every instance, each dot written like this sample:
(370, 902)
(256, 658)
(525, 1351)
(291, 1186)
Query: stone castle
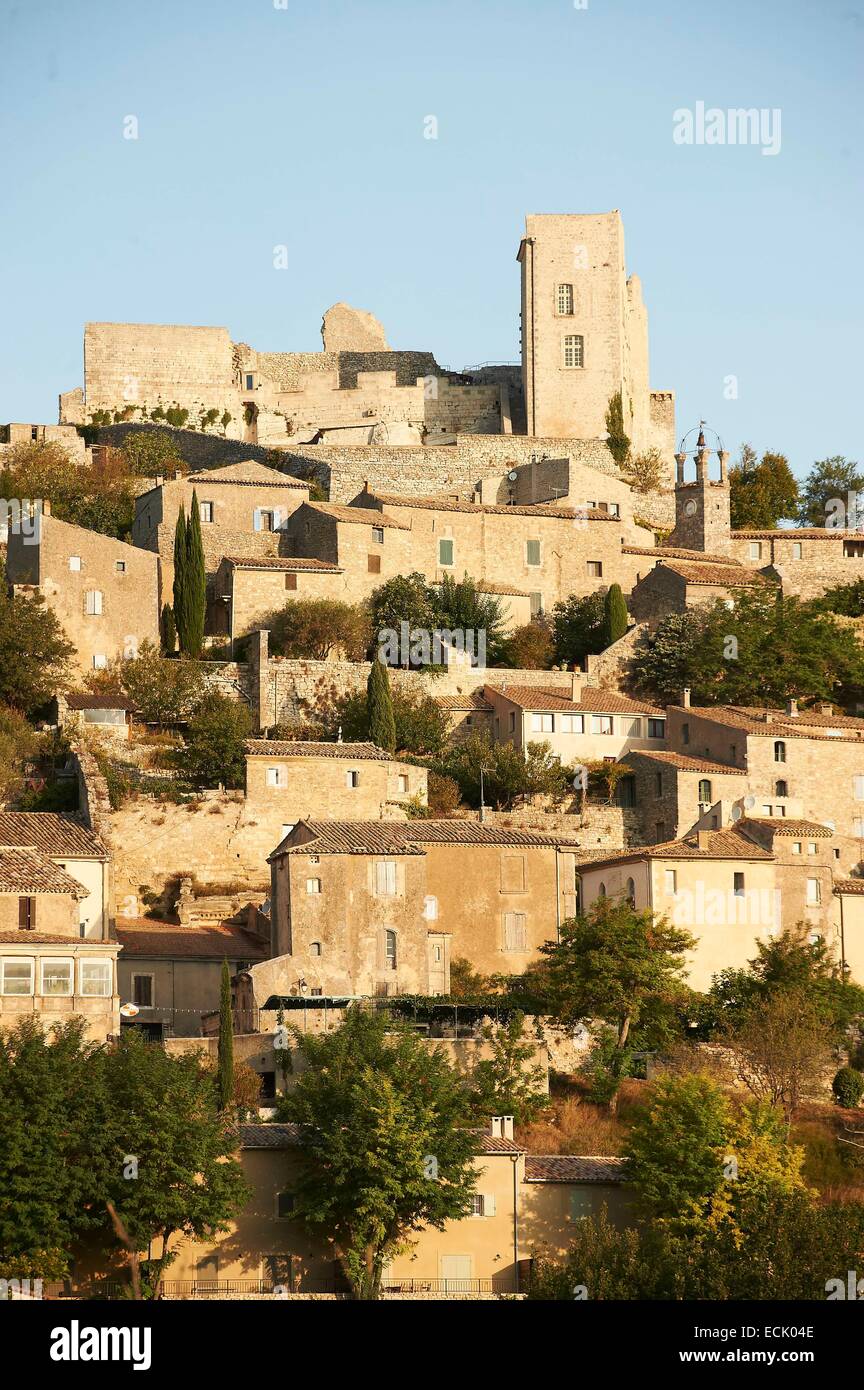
(584, 332)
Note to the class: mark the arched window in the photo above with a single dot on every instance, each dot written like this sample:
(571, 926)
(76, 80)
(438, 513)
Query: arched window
(631, 892)
(779, 751)
(602, 890)
(781, 789)
(315, 948)
(390, 949)
(705, 790)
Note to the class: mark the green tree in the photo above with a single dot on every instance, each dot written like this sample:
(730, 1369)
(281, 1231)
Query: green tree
(379, 707)
(421, 725)
(162, 691)
(508, 774)
(462, 607)
(406, 598)
(169, 630)
(529, 648)
(615, 619)
(99, 496)
(646, 471)
(34, 653)
(610, 961)
(577, 628)
(150, 453)
(508, 1081)
(215, 742)
(181, 583)
(225, 1062)
(664, 659)
(761, 493)
(195, 580)
(386, 1131)
(312, 628)
(18, 744)
(846, 599)
(824, 498)
(618, 442)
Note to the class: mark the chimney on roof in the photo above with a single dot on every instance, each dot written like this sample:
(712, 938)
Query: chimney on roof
(576, 687)
(501, 1126)
(826, 709)
(178, 473)
(685, 697)
(792, 708)
(46, 506)
(703, 839)
(159, 480)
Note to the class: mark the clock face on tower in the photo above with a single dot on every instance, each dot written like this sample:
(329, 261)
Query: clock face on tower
(690, 509)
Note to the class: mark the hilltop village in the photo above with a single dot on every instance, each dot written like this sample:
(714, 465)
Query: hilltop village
(365, 680)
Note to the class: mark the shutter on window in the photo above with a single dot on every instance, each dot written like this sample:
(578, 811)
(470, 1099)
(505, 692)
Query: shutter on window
(256, 519)
(489, 1204)
(277, 518)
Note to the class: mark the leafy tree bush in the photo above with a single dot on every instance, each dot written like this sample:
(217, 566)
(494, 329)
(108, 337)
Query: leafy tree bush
(312, 628)
(508, 1082)
(529, 648)
(215, 738)
(19, 743)
(508, 775)
(829, 481)
(100, 497)
(148, 453)
(577, 628)
(848, 1087)
(162, 691)
(421, 727)
(646, 471)
(386, 1129)
(761, 493)
(34, 653)
(168, 629)
(615, 620)
(379, 707)
(460, 606)
(443, 795)
(405, 598)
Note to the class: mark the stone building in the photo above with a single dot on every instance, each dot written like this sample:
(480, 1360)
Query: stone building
(585, 333)
(289, 781)
(366, 546)
(806, 561)
(366, 908)
(47, 967)
(104, 592)
(677, 584)
(248, 590)
(74, 848)
(66, 436)
(729, 888)
(580, 724)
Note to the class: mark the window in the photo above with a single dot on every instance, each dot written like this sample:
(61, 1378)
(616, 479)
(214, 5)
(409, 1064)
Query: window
(95, 978)
(797, 550)
(74, 562)
(565, 299)
(796, 846)
(633, 728)
(625, 794)
(542, 723)
(290, 581)
(390, 948)
(670, 880)
(705, 790)
(403, 783)
(250, 381)
(352, 779)
(601, 723)
(378, 535)
(16, 976)
(631, 892)
(284, 1205)
(595, 569)
(100, 661)
(571, 723)
(656, 728)
(26, 914)
(315, 948)
(445, 550)
(205, 511)
(512, 721)
(532, 552)
(373, 564)
(574, 350)
(207, 1270)
(482, 1204)
(274, 777)
(515, 933)
(755, 550)
(738, 885)
(781, 789)
(93, 603)
(858, 828)
(811, 847)
(658, 783)
(313, 887)
(142, 991)
(601, 889)
(57, 977)
(685, 733)
(814, 892)
(430, 912)
(385, 878)
(536, 605)
(780, 752)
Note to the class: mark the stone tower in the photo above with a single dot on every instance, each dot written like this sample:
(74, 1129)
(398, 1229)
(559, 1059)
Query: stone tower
(702, 506)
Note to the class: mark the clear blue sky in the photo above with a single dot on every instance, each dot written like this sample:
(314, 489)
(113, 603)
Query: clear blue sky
(303, 126)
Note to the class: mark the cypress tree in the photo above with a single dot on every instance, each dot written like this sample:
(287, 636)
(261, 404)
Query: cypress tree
(379, 707)
(180, 584)
(225, 1075)
(614, 615)
(169, 630)
(196, 579)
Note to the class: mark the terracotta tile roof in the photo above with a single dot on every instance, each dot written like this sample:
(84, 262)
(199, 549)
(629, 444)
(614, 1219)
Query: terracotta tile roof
(269, 1136)
(721, 844)
(590, 699)
(55, 833)
(450, 504)
(490, 586)
(491, 1144)
(700, 573)
(683, 762)
(248, 473)
(776, 723)
(408, 837)
(289, 748)
(281, 562)
(83, 700)
(574, 1168)
(360, 516)
(70, 943)
(167, 941)
(663, 552)
(456, 703)
(785, 825)
(793, 533)
(28, 871)
(849, 885)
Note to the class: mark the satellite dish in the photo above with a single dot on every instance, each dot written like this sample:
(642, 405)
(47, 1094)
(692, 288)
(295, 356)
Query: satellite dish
(129, 1010)
(512, 475)
(749, 802)
(736, 812)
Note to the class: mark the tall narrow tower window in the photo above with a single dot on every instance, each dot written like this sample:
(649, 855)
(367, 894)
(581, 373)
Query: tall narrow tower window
(565, 299)
(574, 350)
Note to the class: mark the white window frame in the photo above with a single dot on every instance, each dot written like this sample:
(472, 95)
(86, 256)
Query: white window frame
(670, 880)
(573, 351)
(273, 777)
(565, 300)
(571, 723)
(85, 964)
(542, 722)
(518, 933)
(352, 779)
(93, 604)
(313, 888)
(386, 878)
(430, 908)
(598, 724)
(205, 513)
(75, 563)
(18, 960)
(814, 892)
(57, 960)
